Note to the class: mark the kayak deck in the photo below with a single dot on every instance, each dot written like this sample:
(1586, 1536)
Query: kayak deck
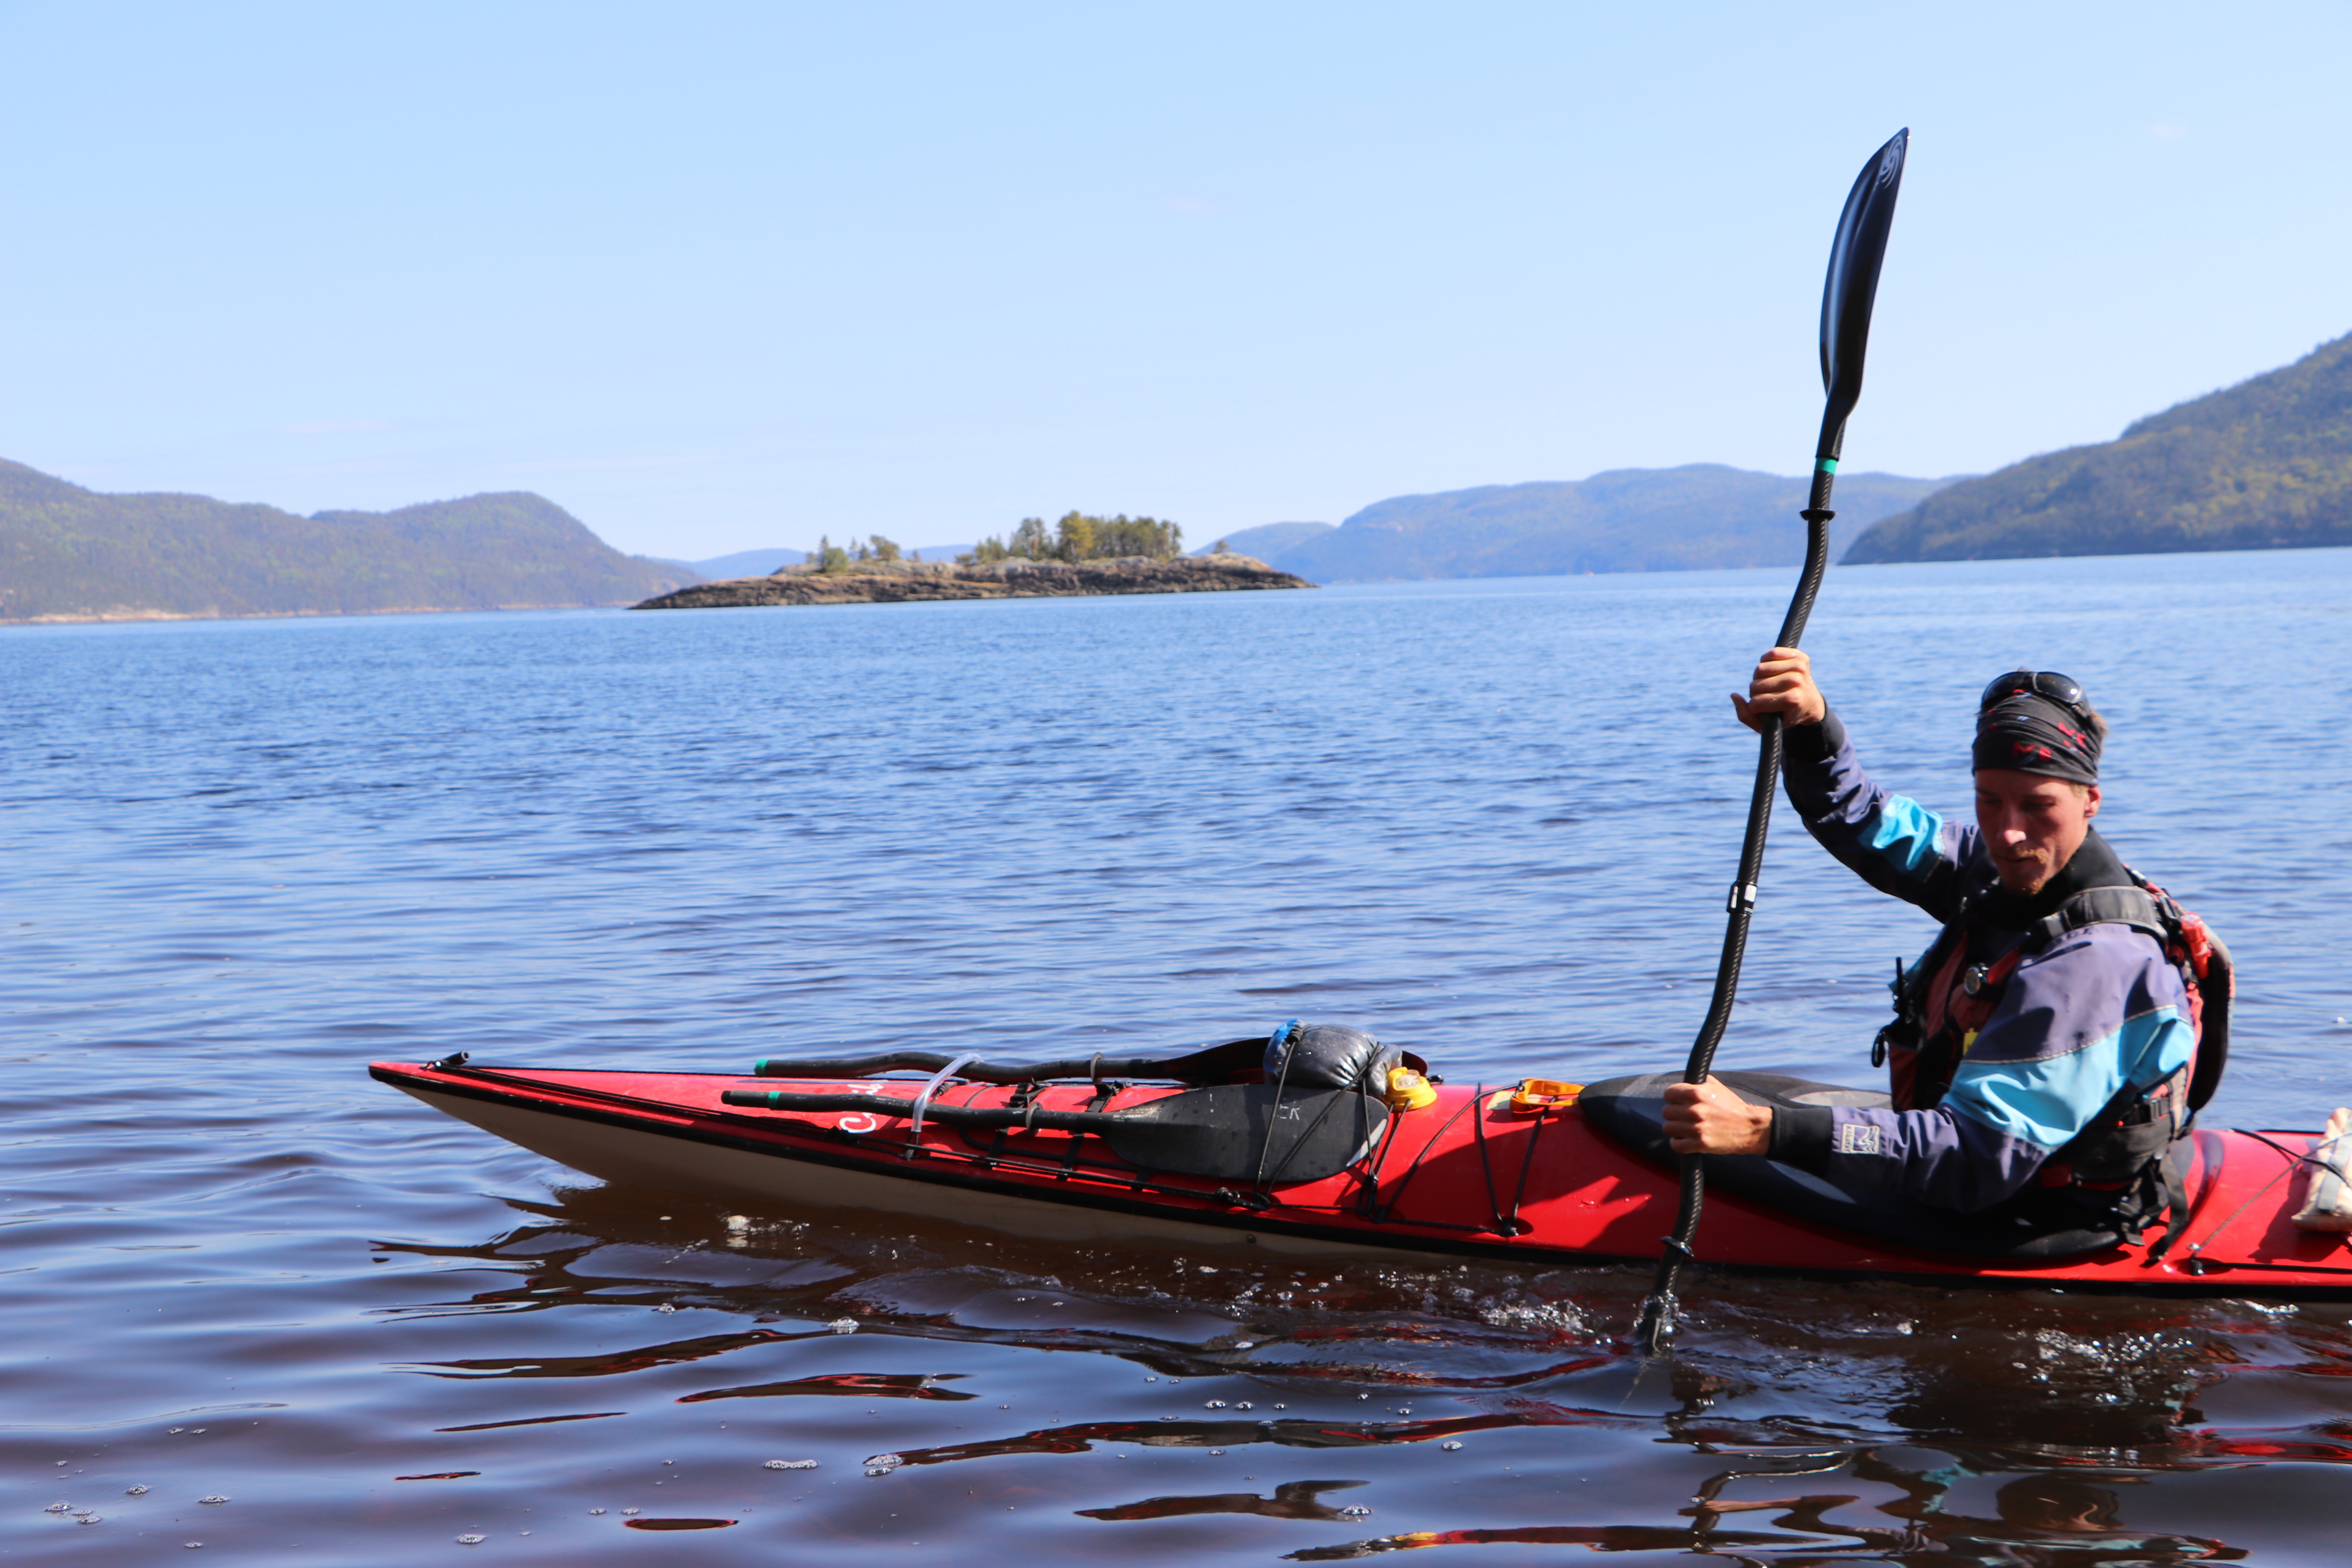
(1463, 1177)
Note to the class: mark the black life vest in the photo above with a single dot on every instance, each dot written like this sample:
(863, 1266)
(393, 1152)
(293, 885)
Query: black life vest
(2118, 1160)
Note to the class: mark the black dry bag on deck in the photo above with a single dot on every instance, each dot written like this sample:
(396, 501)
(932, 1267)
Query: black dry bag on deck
(1328, 1055)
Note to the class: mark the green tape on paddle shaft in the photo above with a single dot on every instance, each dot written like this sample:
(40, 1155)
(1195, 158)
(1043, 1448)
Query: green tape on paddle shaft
(1825, 465)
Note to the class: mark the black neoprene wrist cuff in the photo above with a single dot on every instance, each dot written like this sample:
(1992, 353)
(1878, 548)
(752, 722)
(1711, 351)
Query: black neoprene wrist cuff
(1813, 743)
(1800, 1136)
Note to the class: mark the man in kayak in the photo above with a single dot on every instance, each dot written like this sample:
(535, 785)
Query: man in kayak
(2043, 1057)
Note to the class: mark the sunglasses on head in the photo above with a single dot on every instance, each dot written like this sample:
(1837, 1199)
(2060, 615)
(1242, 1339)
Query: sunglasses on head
(2063, 690)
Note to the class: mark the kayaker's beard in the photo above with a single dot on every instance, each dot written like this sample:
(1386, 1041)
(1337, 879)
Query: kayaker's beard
(2026, 874)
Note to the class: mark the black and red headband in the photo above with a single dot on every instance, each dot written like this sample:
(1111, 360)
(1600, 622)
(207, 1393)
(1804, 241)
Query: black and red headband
(2027, 733)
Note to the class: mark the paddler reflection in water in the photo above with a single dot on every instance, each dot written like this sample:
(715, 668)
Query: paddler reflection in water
(2043, 1059)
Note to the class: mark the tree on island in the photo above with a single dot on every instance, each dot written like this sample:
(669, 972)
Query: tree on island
(1079, 537)
(833, 559)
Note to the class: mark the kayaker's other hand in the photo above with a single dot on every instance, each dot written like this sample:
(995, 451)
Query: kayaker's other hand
(1783, 684)
(1708, 1119)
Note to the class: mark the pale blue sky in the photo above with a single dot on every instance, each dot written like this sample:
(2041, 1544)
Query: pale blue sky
(716, 276)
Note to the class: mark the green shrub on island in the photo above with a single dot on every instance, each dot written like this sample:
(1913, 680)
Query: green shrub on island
(1077, 537)
(836, 558)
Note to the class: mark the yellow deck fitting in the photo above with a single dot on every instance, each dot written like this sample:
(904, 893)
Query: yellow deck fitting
(1538, 1094)
(1408, 1091)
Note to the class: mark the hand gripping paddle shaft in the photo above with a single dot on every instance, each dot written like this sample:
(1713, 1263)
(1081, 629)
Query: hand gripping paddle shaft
(1855, 256)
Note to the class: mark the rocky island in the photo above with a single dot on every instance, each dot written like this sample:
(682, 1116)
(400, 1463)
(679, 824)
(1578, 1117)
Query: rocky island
(1077, 555)
(1016, 578)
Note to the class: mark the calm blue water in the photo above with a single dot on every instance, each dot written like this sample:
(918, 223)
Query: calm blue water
(1491, 821)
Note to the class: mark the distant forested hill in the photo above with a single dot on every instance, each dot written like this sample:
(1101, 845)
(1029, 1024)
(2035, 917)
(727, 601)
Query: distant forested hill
(1627, 519)
(69, 554)
(2259, 465)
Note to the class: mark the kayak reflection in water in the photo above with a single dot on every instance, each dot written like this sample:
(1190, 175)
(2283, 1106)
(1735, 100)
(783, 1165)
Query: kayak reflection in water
(2042, 1059)
(2044, 1518)
(2056, 1520)
(2043, 1521)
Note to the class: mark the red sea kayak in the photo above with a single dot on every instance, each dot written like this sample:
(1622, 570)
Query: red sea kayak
(1545, 1177)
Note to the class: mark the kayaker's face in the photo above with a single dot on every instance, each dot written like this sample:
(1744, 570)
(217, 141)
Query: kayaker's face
(2031, 825)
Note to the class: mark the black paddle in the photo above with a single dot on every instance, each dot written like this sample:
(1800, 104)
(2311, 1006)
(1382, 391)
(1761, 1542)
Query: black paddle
(1854, 259)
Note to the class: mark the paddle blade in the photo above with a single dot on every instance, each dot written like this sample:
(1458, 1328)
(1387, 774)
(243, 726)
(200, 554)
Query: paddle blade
(1855, 257)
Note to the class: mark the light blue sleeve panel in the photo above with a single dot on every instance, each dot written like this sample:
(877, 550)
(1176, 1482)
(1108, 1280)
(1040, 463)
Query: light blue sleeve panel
(1890, 841)
(1907, 836)
(2048, 1100)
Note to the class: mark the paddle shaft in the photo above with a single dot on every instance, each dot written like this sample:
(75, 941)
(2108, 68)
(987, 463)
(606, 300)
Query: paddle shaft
(1658, 1310)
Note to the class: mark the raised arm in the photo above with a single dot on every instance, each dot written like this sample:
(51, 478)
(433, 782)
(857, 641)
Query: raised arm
(1891, 841)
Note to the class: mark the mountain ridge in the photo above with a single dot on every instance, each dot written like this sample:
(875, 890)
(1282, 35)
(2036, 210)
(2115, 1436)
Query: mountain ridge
(2263, 464)
(1695, 517)
(67, 554)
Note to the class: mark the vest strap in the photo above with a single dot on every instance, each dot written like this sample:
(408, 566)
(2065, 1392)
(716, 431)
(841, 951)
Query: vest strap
(2175, 1197)
(2118, 906)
